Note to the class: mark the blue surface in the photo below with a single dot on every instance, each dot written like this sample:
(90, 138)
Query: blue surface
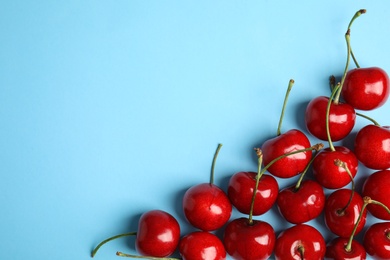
(112, 108)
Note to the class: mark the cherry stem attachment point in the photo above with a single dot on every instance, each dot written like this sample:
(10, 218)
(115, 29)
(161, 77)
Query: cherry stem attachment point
(213, 165)
(342, 164)
(259, 154)
(146, 257)
(110, 239)
(369, 118)
(290, 85)
(301, 250)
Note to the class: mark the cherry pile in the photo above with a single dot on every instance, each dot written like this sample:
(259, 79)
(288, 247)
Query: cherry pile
(208, 207)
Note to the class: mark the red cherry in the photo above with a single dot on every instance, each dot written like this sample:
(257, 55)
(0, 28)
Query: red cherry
(202, 245)
(376, 186)
(302, 204)
(376, 240)
(245, 241)
(158, 234)
(300, 242)
(240, 192)
(342, 212)
(330, 175)
(206, 206)
(366, 88)
(336, 249)
(372, 146)
(342, 118)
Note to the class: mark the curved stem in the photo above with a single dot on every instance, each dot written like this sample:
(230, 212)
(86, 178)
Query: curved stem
(290, 84)
(335, 90)
(213, 165)
(344, 165)
(110, 239)
(146, 257)
(298, 185)
(369, 118)
(354, 59)
(258, 176)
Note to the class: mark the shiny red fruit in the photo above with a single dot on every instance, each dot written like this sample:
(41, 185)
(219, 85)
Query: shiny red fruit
(201, 245)
(376, 240)
(302, 205)
(366, 88)
(372, 146)
(336, 250)
(206, 206)
(244, 241)
(341, 222)
(342, 119)
(240, 192)
(300, 242)
(291, 165)
(377, 187)
(158, 234)
(330, 175)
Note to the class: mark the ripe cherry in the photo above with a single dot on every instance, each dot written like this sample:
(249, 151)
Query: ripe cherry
(287, 142)
(376, 240)
(206, 206)
(201, 245)
(158, 234)
(300, 242)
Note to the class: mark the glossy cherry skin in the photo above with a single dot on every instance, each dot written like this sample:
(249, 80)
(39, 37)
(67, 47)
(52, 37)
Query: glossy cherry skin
(342, 119)
(302, 205)
(336, 250)
(291, 165)
(201, 245)
(206, 206)
(372, 147)
(330, 175)
(376, 240)
(339, 223)
(300, 236)
(366, 88)
(377, 187)
(158, 234)
(240, 192)
(249, 242)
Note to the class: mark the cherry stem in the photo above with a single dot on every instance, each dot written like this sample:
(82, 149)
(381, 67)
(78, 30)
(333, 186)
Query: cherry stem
(290, 85)
(146, 257)
(301, 250)
(259, 154)
(369, 118)
(213, 165)
(366, 200)
(349, 51)
(110, 239)
(335, 89)
(342, 164)
(298, 185)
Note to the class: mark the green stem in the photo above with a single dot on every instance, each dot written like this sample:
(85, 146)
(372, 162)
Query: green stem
(369, 118)
(349, 51)
(146, 257)
(354, 59)
(213, 165)
(342, 164)
(298, 185)
(258, 176)
(110, 239)
(335, 90)
(290, 84)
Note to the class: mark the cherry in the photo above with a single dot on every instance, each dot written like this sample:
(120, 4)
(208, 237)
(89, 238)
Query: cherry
(372, 146)
(336, 249)
(342, 210)
(201, 245)
(300, 242)
(158, 234)
(289, 141)
(206, 206)
(301, 202)
(376, 240)
(246, 238)
(376, 186)
(366, 88)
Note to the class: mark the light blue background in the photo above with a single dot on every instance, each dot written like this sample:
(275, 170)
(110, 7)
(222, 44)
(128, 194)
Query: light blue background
(112, 108)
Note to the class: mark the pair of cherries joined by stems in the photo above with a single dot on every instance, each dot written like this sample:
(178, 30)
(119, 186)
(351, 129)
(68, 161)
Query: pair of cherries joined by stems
(208, 208)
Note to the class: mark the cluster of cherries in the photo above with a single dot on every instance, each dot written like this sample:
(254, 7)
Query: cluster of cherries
(207, 207)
